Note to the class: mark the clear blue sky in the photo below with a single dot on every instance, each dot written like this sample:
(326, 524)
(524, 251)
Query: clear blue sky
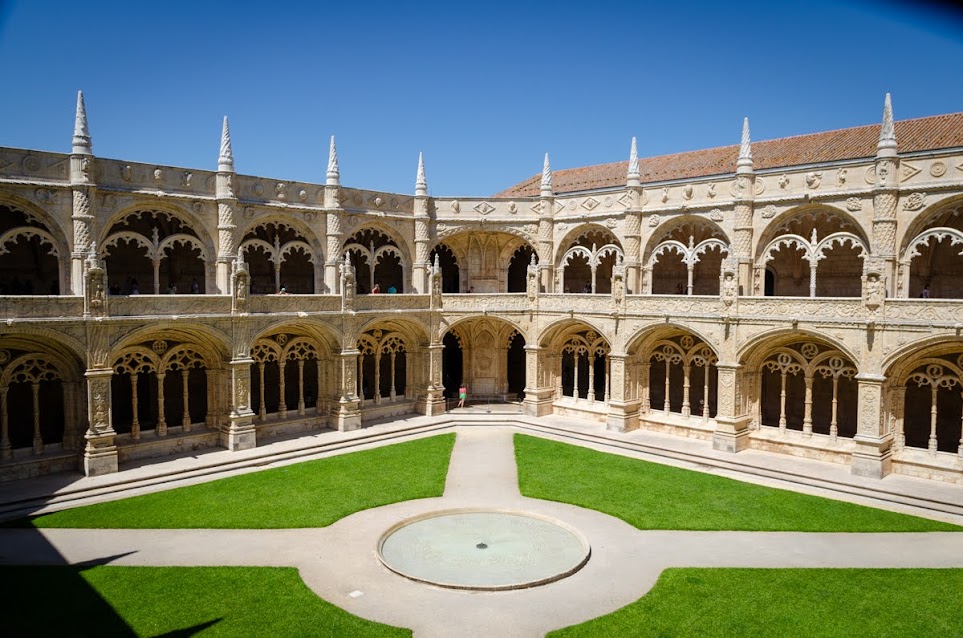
(483, 88)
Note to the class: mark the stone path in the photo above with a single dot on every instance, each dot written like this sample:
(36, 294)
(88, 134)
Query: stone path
(340, 563)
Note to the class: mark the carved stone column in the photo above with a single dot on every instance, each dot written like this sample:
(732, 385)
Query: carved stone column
(633, 244)
(623, 410)
(872, 456)
(435, 397)
(83, 190)
(100, 453)
(732, 424)
(238, 433)
(348, 414)
(538, 392)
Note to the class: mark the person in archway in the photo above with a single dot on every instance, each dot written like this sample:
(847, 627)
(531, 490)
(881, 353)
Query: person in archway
(392, 290)
(376, 290)
(925, 293)
(462, 395)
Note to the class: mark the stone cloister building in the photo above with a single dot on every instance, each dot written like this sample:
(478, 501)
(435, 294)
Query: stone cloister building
(799, 295)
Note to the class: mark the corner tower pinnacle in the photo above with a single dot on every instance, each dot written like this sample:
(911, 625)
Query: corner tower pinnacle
(81, 143)
(744, 163)
(421, 181)
(225, 159)
(633, 178)
(887, 132)
(334, 173)
(547, 189)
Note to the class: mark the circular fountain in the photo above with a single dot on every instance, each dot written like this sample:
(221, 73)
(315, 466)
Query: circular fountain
(483, 549)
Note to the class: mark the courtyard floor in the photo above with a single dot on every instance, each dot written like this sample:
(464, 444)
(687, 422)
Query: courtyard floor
(340, 562)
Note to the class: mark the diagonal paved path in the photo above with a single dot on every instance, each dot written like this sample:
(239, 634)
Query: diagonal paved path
(340, 562)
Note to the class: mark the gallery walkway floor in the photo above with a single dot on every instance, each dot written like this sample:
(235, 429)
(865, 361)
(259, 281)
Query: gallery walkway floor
(340, 563)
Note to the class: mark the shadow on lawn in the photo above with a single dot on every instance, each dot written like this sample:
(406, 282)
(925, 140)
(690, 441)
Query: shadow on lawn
(44, 596)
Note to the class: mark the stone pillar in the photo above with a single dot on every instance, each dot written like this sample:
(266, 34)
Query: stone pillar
(732, 424)
(83, 190)
(885, 198)
(872, 456)
(538, 393)
(623, 410)
(100, 453)
(633, 244)
(226, 248)
(435, 399)
(239, 432)
(742, 239)
(348, 414)
(421, 268)
(332, 216)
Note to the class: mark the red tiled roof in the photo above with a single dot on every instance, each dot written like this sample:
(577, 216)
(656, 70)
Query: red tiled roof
(921, 134)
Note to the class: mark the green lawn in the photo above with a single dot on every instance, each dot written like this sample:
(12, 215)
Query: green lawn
(653, 496)
(790, 602)
(310, 494)
(172, 601)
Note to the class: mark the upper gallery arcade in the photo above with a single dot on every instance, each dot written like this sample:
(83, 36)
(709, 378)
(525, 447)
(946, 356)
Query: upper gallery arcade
(798, 295)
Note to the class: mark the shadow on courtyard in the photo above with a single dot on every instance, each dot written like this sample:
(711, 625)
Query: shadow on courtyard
(49, 597)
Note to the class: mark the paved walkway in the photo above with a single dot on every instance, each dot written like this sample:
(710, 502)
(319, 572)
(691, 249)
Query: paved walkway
(340, 564)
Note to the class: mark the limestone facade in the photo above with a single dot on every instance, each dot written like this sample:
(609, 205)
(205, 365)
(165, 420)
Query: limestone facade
(805, 307)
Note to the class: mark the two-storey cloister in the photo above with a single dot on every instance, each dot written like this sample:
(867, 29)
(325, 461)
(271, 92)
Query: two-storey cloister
(770, 295)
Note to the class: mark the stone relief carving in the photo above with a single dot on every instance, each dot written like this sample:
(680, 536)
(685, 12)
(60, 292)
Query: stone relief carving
(854, 204)
(768, 212)
(783, 181)
(841, 178)
(813, 178)
(938, 169)
(654, 220)
(455, 207)
(915, 201)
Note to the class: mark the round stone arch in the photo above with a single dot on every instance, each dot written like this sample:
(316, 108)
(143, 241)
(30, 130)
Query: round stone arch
(771, 230)
(59, 405)
(468, 360)
(401, 246)
(708, 240)
(214, 345)
(324, 333)
(647, 335)
(576, 356)
(929, 252)
(392, 360)
(562, 246)
(800, 380)
(269, 277)
(169, 375)
(752, 352)
(671, 367)
(810, 230)
(153, 280)
(923, 397)
(186, 218)
(51, 222)
(51, 237)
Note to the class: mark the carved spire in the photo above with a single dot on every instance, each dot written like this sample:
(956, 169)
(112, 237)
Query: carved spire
(225, 160)
(421, 182)
(887, 132)
(334, 175)
(547, 178)
(82, 143)
(633, 177)
(744, 163)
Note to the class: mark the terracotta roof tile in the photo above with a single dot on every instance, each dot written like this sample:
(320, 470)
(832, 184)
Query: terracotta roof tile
(921, 134)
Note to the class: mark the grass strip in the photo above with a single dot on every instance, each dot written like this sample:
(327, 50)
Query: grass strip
(173, 601)
(311, 494)
(653, 496)
(789, 602)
